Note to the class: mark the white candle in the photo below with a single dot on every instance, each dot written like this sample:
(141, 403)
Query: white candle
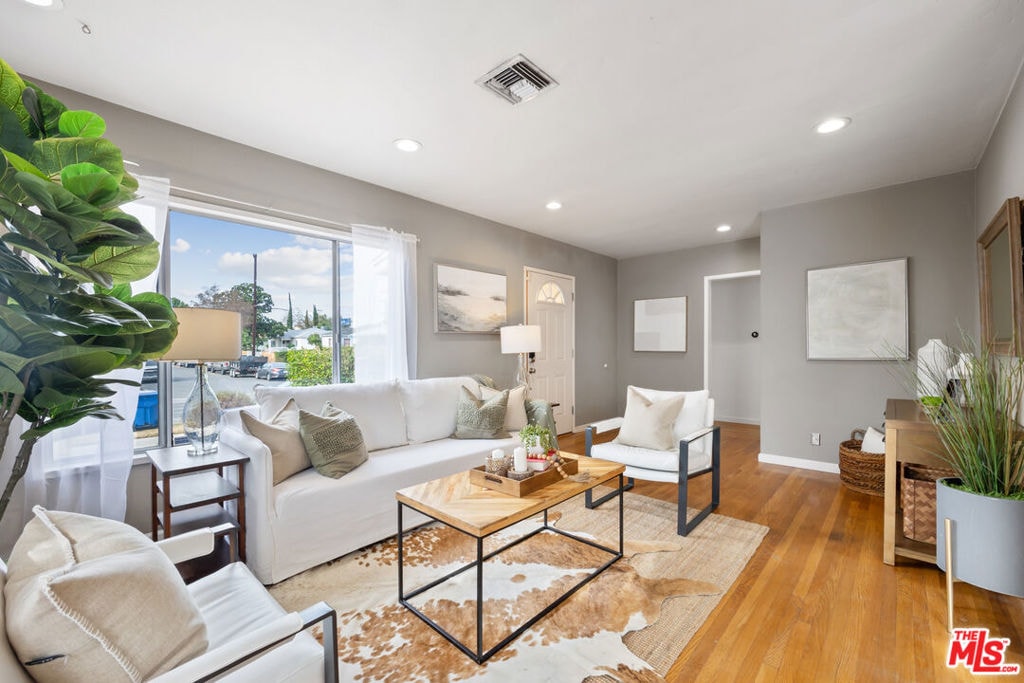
(497, 453)
(519, 459)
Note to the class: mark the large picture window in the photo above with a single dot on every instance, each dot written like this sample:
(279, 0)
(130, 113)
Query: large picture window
(294, 296)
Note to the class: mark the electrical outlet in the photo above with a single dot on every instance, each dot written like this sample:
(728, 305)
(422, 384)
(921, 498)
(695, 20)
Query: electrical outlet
(815, 438)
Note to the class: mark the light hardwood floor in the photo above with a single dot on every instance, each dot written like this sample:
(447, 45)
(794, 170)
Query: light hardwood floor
(816, 602)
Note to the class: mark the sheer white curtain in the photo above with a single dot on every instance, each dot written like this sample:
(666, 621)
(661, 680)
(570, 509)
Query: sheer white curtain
(384, 303)
(84, 467)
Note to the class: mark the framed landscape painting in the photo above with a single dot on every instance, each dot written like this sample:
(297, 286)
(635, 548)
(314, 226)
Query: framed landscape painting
(468, 300)
(858, 312)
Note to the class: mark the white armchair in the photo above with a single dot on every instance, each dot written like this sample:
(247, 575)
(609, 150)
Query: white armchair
(698, 453)
(251, 637)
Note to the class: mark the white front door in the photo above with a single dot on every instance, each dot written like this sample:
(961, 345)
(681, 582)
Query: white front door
(550, 303)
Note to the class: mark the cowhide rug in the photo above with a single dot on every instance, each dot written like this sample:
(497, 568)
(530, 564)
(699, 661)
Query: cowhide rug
(628, 624)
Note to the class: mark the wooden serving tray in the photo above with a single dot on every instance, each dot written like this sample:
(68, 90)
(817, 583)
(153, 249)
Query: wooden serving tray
(522, 487)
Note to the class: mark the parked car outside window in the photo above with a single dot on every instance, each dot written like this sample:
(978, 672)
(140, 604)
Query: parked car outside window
(150, 372)
(272, 371)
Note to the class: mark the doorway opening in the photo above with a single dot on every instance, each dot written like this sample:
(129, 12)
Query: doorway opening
(732, 356)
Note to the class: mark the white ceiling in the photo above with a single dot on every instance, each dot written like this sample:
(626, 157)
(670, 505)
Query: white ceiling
(670, 118)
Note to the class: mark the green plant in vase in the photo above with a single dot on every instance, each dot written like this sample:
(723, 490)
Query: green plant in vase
(983, 441)
(68, 252)
(536, 437)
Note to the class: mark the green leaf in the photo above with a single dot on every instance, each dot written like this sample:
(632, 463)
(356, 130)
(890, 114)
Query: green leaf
(52, 110)
(89, 182)
(9, 382)
(12, 136)
(36, 227)
(124, 264)
(30, 100)
(53, 154)
(83, 124)
(11, 86)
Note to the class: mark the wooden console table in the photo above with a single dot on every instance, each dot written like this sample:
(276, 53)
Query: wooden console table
(909, 437)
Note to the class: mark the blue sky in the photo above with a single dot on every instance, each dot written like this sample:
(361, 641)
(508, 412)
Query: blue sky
(209, 251)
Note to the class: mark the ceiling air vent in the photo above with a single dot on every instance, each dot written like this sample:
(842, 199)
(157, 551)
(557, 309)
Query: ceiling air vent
(517, 80)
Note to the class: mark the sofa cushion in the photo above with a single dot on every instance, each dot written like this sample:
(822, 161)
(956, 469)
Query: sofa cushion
(282, 438)
(648, 423)
(693, 415)
(333, 441)
(515, 413)
(101, 598)
(376, 406)
(479, 419)
(430, 406)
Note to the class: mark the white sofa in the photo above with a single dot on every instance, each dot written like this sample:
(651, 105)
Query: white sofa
(308, 518)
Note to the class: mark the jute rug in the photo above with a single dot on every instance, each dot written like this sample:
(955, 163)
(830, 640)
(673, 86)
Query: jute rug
(628, 624)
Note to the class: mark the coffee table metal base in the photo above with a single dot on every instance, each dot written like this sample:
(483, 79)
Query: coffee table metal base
(479, 655)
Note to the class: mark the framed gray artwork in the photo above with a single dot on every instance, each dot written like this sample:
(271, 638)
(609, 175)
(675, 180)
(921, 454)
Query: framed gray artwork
(467, 300)
(659, 324)
(858, 311)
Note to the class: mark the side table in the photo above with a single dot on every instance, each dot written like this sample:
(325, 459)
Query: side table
(199, 491)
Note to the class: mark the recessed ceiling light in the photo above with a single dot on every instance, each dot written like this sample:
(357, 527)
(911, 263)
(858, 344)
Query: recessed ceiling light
(553, 205)
(407, 145)
(724, 228)
(832, 125)
(46, 4)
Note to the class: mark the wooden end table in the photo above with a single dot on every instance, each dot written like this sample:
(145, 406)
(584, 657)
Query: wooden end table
(479, 512)
(199, 491)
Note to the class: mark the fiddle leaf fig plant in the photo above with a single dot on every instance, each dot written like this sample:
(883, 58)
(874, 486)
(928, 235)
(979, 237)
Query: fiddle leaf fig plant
(68, 254)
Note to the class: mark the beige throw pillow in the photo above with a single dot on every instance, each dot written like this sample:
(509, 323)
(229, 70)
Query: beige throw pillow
(647, 423)
(479, 419)
(100, 598)
(515, 412)
(333, 441)
(281, 436)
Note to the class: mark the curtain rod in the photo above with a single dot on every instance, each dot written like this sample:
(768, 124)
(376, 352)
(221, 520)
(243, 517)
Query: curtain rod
(196, 195)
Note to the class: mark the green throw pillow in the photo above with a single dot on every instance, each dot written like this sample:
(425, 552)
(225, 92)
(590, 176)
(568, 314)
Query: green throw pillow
(478, 419)
(333, 441)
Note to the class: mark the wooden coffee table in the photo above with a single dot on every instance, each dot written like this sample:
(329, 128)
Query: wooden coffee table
(479, 512)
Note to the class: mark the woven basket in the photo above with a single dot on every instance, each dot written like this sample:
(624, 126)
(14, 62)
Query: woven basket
(864, 472)
(917, 497)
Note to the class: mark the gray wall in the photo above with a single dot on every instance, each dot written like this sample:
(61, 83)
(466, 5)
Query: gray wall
(932, 223)
(735, 355)
(1001, 172)
(678, 273)
(200, 162)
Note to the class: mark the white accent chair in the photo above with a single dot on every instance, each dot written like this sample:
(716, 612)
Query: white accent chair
(699, 453)
(251, 637)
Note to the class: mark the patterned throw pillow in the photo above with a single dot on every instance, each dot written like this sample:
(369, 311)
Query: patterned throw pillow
(333, 440)
(478, 419)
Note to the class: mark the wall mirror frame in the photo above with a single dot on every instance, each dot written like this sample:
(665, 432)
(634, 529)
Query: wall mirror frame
(1001, 273)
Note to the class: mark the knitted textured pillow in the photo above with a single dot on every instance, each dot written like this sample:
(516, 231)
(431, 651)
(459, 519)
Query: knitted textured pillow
(479, 419)
(333, 441)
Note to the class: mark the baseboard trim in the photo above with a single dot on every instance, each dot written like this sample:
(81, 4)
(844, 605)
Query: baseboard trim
(799, 463)
(738, 420)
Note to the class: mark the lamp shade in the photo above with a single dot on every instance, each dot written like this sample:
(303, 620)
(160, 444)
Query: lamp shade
(206, 334)
(520, 339)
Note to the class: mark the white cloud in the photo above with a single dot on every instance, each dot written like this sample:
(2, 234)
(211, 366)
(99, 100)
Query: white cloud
(180, 246)
(292, 266)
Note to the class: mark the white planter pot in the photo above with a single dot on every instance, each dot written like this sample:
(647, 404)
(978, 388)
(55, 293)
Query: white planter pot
(988, 538)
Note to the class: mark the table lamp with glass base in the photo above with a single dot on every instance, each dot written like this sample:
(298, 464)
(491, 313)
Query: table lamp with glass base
(522, 340)
(204, 335)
